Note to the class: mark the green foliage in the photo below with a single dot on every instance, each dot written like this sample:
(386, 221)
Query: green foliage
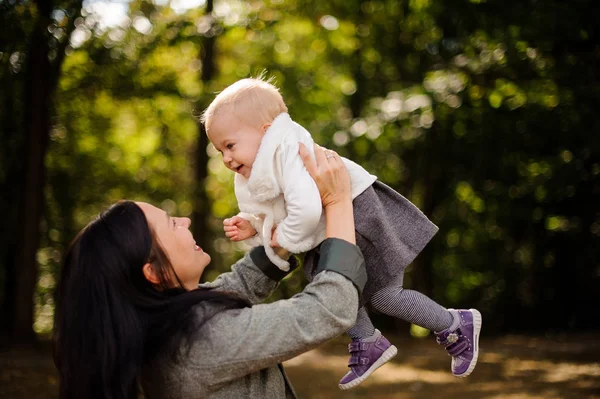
(482, 113)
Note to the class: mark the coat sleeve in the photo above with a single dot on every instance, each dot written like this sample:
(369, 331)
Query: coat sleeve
(296, 232)
(253, 278)
(238, 342)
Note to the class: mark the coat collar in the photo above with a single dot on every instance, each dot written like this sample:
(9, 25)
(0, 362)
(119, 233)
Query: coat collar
(263, 184)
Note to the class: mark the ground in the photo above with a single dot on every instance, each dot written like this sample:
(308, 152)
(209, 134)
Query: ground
(510, 367)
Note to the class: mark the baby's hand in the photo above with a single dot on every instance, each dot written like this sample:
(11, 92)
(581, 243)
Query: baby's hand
(238, 229)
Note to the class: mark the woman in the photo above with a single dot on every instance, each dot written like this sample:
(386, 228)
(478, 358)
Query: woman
(130, 310)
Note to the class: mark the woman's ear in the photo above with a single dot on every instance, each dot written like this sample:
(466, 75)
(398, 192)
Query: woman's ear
(150, 273)
(265, 127)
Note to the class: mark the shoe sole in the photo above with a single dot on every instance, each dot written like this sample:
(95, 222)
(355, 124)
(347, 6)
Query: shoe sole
(383, 359)
(477, 321)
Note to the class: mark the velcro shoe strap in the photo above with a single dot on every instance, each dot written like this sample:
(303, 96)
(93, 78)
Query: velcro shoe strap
(358, 346)
(442, 337)
(459, 347)
(358, 361)
(448, 338)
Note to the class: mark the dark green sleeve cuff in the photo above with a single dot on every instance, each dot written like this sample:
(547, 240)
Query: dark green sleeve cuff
(262, 261)
(344, 258)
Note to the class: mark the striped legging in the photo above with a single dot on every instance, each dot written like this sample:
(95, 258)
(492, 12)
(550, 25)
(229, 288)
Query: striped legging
(404, 304)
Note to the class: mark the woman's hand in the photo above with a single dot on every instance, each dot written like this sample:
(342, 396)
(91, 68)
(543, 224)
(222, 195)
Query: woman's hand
(330, 174)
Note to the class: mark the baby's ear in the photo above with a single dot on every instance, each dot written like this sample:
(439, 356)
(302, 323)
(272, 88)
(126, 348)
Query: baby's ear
(265, 127)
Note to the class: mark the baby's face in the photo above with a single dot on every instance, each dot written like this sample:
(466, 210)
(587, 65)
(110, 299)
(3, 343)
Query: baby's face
(236, 141)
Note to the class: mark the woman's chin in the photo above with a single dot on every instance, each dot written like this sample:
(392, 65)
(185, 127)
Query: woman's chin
(204, 258)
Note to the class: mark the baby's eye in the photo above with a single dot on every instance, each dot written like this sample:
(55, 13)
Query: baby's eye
(229, 146)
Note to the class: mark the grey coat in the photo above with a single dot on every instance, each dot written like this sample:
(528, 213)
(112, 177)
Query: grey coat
(237, 353)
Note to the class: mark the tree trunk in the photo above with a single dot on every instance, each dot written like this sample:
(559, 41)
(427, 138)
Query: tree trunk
(10, 187)
(41, 78)
(37, 126)
(201, 201)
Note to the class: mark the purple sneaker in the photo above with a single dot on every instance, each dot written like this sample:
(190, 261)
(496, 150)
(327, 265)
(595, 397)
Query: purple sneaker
(461, 340)
(366, 356)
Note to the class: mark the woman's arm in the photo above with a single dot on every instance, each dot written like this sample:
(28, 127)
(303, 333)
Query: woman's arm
(303, 213)
(238, 342)
(335, 191)
(253, 278)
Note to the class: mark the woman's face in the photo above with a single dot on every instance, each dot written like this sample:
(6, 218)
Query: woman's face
(187, 258)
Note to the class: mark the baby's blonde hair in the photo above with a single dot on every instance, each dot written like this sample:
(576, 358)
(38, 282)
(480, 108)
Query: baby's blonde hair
(252, 100)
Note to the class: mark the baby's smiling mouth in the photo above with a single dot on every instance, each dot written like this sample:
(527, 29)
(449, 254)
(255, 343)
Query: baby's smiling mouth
(239, 168)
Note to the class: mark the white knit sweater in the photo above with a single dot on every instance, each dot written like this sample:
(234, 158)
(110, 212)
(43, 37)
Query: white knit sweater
(280, 191)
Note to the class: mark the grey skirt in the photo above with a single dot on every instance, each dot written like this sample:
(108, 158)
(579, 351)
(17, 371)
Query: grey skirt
(390, 231)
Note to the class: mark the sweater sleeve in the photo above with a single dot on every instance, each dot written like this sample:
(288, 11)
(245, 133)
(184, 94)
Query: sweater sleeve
(252, 278)
(237, 342)
(303, 203)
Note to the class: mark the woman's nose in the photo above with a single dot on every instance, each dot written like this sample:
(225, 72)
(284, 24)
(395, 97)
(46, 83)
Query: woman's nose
(183, 222)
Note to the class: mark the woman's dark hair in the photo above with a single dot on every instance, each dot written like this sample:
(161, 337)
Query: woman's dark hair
(109, 318)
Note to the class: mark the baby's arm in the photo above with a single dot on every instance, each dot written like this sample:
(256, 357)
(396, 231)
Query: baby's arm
(238, 229)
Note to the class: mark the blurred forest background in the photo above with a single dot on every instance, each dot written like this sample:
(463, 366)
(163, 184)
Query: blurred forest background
(484, 113)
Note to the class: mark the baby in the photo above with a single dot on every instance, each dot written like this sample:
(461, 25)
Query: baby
(248, 123)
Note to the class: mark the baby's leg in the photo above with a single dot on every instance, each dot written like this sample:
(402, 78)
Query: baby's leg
(411, 306)
(364, 327)
(457, 330)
